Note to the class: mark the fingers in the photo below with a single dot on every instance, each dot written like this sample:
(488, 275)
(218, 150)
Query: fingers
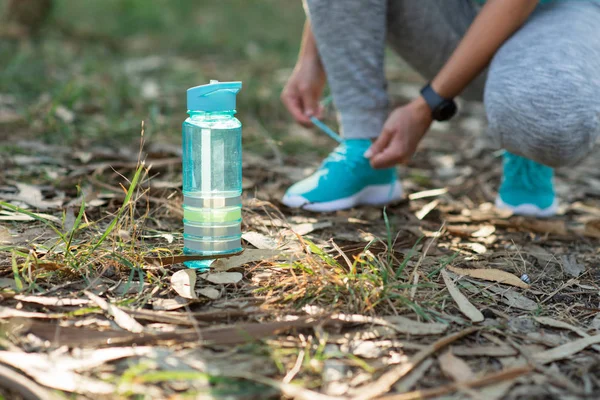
(380, 144)
(386, 159)
(310, 102)
(295, 105)
(386, 151)
(320, 110)
(400, 137)
(302, 103)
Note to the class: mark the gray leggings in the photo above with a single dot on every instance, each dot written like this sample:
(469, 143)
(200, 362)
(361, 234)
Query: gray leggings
(541, 90)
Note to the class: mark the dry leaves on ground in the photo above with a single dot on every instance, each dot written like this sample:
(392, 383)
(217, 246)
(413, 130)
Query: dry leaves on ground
(494, 275)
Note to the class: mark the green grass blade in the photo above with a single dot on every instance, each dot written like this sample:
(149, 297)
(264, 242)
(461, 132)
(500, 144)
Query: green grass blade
(411, 253)
(316, 250)
(357, 259)
(16, 275)
(388, 228)
(443, 265)
(114, 222)
(167, 376)
(34, 216)
(76, 224)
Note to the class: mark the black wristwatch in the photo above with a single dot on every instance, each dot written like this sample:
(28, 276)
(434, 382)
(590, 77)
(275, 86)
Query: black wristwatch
(441, 109)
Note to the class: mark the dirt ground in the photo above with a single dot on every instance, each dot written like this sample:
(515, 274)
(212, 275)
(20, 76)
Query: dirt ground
(424, 299)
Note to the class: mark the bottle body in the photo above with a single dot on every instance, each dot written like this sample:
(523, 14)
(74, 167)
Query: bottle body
(212, 184)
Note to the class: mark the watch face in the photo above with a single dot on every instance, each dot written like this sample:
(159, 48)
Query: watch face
(445, 111)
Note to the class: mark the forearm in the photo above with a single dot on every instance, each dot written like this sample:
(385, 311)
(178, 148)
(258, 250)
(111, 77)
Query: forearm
(308, 48)
(496, 22)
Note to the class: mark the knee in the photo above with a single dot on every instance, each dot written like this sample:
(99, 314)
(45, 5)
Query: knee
(555, 126)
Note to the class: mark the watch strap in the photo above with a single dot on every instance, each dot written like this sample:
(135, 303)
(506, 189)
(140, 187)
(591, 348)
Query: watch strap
(436, 103)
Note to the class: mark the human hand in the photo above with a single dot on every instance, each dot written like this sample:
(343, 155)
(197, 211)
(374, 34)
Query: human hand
(401, 134)
(304, 89)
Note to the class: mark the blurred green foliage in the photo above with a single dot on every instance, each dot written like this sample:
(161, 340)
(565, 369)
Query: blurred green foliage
(114, 63)
(209, 27)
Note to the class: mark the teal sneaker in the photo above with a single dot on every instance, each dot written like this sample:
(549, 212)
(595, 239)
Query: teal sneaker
(526, 188)
(345, 180)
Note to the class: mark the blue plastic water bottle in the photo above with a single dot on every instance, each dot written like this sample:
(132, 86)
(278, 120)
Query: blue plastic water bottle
(212, 172)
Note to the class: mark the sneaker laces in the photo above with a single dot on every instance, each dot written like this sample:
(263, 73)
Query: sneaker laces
(342, 152)
(327, 130)
(353, 160)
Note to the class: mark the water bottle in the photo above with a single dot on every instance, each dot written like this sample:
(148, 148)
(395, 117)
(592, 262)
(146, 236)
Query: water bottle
(212, 172)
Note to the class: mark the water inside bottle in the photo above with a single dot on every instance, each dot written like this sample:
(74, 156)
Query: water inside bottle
(212, 190)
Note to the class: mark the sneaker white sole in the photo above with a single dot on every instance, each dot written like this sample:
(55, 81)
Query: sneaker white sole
(528, 210)
(375, 195)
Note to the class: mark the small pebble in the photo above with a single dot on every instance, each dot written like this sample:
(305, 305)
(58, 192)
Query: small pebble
(525, 278)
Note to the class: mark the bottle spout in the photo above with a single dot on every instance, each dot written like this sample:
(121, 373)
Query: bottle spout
(213, 97)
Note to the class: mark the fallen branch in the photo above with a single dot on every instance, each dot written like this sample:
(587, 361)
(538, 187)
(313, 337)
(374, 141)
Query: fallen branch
(388, 379)
(554, 378)
(28, 389)
(121, 318)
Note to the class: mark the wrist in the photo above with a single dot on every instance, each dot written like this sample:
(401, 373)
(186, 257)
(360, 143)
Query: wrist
(422, 109)
(442, 109)
(311, 59)
(441, 89)
(309, 53)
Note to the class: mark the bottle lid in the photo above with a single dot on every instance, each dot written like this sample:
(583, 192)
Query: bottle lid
(214, 97)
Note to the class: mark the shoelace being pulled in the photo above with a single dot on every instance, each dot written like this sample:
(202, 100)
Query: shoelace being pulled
(353, 162)
(341, 152)
(327, 130)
